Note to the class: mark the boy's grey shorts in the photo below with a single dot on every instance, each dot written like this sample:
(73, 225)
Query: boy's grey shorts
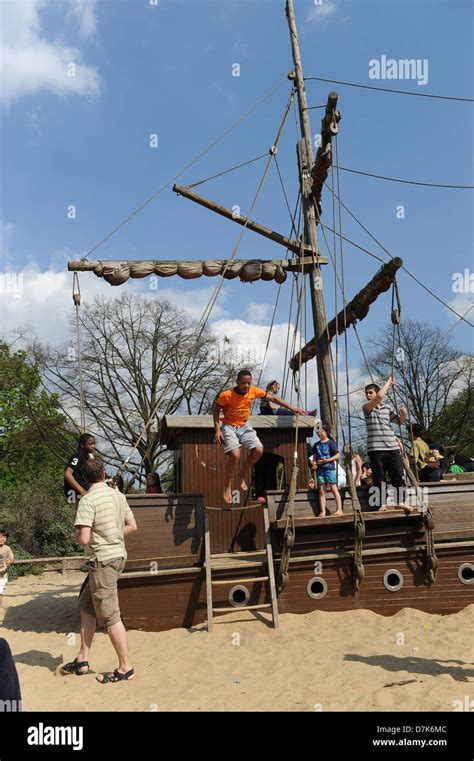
(236, 436)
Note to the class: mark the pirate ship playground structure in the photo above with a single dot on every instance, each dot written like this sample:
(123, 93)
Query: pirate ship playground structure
(193, 557)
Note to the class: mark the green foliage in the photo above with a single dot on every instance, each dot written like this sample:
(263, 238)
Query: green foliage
(34, 438)
(456, 427)
(38, 518)
(34, 445)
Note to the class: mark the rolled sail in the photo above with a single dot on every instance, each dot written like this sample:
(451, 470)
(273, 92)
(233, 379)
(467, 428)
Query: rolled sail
(247, 270)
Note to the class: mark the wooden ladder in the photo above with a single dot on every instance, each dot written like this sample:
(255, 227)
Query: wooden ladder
(240, 561)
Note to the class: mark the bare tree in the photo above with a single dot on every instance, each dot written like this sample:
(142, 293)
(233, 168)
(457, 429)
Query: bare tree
(137, 353)
(434, 369)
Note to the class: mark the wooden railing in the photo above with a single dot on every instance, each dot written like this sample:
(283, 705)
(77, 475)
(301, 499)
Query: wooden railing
(62, 560)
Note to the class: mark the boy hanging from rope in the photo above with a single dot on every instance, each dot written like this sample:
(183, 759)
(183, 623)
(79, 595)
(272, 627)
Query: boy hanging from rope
(383, 446)
(236, 432)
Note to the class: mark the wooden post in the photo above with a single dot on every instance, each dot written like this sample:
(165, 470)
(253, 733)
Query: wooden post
(355, 310)
(208, 563)
(323, 161)
(306, 158)
(291, 245)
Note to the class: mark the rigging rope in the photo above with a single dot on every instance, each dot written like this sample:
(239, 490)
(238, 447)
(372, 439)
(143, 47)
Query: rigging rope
(389, 89)
(187, 166)
(403, 267)
(76, 297)
(359, 525)
(226, 171)
(289, 533)
(407, 182)
(431, 561)
(276, 301)
(207, 311)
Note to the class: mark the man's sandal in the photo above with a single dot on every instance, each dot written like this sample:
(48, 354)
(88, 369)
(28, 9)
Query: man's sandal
(75, 668)
(115, 676)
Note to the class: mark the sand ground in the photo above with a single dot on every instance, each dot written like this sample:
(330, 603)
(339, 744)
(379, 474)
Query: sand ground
(350, 661)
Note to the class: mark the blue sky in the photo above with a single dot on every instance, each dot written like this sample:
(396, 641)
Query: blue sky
(167, 69)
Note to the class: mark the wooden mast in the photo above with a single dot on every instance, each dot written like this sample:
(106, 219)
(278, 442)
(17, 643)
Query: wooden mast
(323, 357)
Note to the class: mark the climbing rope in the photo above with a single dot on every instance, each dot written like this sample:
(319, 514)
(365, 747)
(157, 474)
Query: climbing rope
(276, 303)
(431, 560)
(76, 297)
(358, 571)
(232, 509)
(289, 535)
(289, 514)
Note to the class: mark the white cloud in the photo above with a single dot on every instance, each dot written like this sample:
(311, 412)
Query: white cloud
(40, 302)
(6, 232)
(321, 13)
(463, 303)
(84, 13)
(249, 340)
(35, 121)
(195, 302)
(258, 312)
(30, 63)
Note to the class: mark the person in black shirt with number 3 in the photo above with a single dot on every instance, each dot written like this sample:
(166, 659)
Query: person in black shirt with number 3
(75, 485)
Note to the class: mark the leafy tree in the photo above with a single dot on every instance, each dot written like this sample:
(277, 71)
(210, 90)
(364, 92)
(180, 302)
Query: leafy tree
(35, 441)
(456, 427)
(137, 354)
(34, 435)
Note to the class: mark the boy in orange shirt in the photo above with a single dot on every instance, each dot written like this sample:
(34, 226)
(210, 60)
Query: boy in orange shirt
(236, 432)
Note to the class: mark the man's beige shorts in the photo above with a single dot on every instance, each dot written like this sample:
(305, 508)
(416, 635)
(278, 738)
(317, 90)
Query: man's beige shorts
(99, 596)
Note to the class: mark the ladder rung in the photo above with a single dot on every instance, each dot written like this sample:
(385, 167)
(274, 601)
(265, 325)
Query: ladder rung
(238, 554)
(241, 567)
(241, 581)
(242, 607)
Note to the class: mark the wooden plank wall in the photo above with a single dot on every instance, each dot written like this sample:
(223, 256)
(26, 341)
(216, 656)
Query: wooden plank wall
(203, 467)
(447, 595)
(203, 461)
(170, 530)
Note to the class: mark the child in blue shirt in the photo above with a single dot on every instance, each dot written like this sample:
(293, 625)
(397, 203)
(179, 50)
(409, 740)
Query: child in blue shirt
(325, 456)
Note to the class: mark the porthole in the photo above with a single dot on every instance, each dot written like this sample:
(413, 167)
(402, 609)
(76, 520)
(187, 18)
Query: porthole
(393, 580)
(317, 588)
(239, 596)
(466, 573)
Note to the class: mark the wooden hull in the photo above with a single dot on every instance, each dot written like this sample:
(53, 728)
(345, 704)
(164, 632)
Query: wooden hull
(164, 583)
(447, 595)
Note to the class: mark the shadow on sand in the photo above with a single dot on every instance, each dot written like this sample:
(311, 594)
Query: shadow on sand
(49, 611)
(427, 666)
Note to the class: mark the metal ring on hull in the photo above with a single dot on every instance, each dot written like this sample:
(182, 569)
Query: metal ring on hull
(466, 573)
(317, 588)
(393, 585)
(237, 603)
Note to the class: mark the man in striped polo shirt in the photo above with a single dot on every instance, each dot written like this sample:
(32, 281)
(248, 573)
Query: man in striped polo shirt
(382, 445)
(103, 520)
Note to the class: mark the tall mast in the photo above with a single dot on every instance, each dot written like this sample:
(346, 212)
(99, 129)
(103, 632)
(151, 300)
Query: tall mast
(323, 357)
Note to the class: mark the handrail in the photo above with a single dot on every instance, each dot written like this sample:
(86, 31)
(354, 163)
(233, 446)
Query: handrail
(62, 559)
